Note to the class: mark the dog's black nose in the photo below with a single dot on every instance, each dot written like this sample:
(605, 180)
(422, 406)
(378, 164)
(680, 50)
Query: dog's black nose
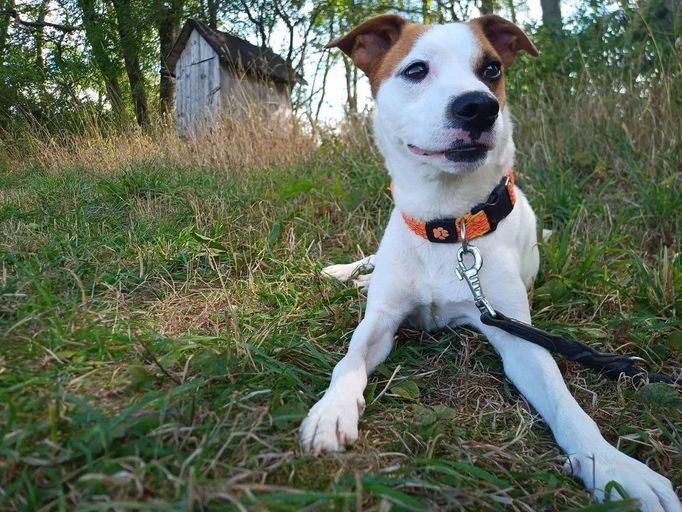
(475, 111)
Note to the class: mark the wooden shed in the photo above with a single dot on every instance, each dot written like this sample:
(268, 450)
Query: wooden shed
(217, 74)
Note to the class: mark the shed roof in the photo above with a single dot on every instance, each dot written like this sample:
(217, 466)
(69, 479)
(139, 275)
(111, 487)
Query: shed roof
(235, 52)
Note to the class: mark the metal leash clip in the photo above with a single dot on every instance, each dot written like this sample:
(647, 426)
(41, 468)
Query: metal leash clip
(470, 274)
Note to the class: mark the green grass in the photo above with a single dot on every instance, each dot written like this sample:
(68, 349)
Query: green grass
(163, 331)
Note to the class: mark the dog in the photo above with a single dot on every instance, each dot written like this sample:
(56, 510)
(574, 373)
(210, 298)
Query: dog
(444, 128)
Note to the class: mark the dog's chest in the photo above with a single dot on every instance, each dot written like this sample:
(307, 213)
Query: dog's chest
(444, 299)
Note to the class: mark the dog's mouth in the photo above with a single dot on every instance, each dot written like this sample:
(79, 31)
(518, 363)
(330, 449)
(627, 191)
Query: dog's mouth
(455, 153)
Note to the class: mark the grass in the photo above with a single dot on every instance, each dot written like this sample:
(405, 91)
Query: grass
(239, 144)
(164, 326)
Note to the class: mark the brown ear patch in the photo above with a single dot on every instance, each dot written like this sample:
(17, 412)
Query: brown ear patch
(367, 43)
(378, 45)
(488, 54)
(408, 37)
(506, 38)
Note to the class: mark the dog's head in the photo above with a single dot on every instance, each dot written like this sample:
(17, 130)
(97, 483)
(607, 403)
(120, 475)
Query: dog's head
(439, 89)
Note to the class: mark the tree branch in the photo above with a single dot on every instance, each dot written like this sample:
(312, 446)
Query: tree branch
(39, 24)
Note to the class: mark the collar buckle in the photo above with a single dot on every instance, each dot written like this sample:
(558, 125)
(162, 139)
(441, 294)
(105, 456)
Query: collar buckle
(498, 205)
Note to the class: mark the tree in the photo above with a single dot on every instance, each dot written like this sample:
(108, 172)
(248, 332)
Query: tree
(262, 17)
(340, 17)
(170, 14)
(130, 49)
(426, 11)
(487, 6)
(38, 35)
(551, 14)
(212, 7)
(107, 66)
(5, 6)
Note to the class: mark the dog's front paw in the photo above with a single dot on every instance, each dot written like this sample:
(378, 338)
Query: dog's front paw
(362, 282)
(342, 272)
(345, 271)
(331, 424)
(654, 492)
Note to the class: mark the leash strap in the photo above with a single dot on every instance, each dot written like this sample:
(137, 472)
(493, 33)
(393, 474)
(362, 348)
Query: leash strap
(609, 365)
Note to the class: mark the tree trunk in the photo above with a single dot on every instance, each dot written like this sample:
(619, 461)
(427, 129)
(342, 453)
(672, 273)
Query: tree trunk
(5, 5)
(257, 21)
(291, 29)
(169, 27)
(38, 38)
(512, 11)
(426, 11)
(323, 88)
(131, 57)
(94, 34)
(351, 87)
(551, 14)
(487, 6)
(212, 7)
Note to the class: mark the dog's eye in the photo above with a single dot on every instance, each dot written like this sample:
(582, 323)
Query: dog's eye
(492, 71)
(416, 71)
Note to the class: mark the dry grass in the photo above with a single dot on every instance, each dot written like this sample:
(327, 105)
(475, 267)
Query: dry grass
(614, 132)
(245, 143)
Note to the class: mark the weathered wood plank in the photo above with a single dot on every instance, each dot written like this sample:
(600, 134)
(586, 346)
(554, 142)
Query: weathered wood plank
(197, 73)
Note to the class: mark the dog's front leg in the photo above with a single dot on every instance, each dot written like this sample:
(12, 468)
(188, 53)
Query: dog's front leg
(591, 458)
(332, 423)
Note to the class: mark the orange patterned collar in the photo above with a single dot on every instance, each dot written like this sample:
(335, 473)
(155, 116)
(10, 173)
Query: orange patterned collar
(482, 219)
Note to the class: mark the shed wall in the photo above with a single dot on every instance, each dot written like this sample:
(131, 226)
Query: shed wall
(241, 93)
(197, 100)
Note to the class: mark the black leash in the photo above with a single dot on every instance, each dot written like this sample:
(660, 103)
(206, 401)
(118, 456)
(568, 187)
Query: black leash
(609, 365)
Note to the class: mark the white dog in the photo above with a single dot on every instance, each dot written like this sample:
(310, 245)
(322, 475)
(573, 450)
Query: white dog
(444, 128)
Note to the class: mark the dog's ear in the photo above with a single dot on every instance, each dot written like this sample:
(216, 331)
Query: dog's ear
(367, 43)
(505, 37)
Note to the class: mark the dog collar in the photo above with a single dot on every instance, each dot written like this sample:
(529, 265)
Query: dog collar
(482, 219)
